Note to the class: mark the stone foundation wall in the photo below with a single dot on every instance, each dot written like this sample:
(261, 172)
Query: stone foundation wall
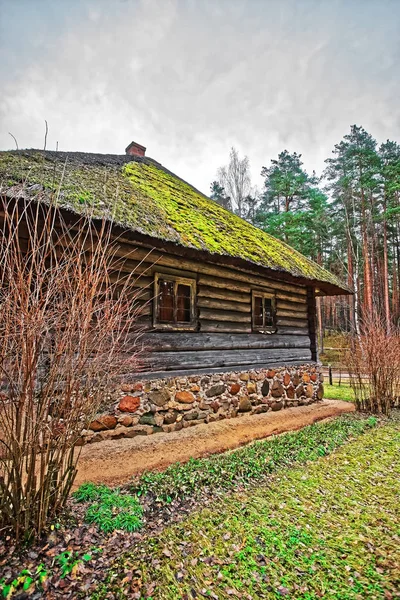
(146, 407)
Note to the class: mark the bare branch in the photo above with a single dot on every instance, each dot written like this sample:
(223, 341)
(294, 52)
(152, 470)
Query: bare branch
(15, 139)
(67, 331)
(45, 135)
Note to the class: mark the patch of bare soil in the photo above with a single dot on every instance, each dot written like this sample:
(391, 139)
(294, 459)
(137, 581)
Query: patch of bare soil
(114, 462)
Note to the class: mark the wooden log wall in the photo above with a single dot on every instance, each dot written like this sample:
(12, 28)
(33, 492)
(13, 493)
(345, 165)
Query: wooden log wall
(224, 337)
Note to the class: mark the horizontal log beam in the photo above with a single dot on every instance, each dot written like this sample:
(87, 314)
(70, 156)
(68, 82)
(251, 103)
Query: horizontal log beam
(290, 305)
(227, 305)
(222, 283)
(155, 374)
(292, 331)
(205, 291)
(216, 327)
(291, 314)
(173, 342)
(201, 359)
(220, 315)
(299, 323)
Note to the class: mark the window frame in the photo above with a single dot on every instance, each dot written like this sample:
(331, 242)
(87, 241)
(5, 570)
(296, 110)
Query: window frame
(263, 328)
(176, 280)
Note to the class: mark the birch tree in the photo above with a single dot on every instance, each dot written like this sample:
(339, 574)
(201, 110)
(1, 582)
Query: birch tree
(236, 180)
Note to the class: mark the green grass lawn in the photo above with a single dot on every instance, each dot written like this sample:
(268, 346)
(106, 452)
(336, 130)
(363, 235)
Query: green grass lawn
(339, 392)
(330, 528)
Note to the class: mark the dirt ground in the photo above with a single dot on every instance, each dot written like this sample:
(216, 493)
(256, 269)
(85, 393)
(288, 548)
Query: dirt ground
(114, 462)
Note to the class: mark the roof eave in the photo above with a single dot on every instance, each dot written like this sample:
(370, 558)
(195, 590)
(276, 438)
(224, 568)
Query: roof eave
(323, 288)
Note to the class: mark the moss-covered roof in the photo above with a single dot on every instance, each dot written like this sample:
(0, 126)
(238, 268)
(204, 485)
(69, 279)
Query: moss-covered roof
(141, 195)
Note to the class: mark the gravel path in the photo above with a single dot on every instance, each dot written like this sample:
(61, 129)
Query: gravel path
(114, 462)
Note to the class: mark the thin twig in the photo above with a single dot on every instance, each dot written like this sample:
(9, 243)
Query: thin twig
(45, 135)
(15, 139)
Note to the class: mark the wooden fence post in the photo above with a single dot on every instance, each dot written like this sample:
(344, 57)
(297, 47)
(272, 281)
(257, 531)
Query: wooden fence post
(330, 374)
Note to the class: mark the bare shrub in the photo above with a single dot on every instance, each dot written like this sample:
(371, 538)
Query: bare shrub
(374, 367)
(67, 316)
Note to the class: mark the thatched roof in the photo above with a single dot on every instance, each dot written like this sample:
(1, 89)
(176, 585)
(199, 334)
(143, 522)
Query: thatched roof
(140, 195)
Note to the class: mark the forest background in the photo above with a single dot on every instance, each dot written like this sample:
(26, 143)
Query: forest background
(347, 220)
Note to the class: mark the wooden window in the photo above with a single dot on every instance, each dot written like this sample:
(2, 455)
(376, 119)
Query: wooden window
(174, 302)
(264, 312)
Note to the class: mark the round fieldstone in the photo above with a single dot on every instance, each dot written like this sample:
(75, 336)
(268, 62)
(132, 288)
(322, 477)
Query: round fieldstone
(277, 389)
(147, 419)
(184, 397)
(126, 421)
(262, 408)
(170, 417)
(265, 388)
(244, 404)
(276, 406)
(215, 390)
(129, 404)
(103, 423)
(234, 389)
(127, 387)
(286, 379)
(251, 388)
(290, 392)
(191, 416)
(159, 397)
(309, 390)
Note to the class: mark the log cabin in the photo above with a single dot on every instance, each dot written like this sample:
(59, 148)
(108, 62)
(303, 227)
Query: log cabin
(218, 294)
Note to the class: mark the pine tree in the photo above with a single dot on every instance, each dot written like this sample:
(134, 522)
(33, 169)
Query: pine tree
(292, 207)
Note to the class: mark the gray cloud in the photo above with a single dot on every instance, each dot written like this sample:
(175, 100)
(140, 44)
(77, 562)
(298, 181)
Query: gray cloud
(190, 78)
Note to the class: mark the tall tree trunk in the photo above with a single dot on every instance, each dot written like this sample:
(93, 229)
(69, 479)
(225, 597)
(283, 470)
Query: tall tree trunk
(385, 273)
(395, 292)
(350, 280)
(368, 308)
(357, 300)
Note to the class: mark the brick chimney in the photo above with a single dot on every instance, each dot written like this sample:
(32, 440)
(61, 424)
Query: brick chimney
(135, 149)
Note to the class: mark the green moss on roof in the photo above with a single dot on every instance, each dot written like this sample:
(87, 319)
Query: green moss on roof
(143, 196)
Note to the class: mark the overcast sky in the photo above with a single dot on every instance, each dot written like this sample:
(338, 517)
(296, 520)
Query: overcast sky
(190, 78)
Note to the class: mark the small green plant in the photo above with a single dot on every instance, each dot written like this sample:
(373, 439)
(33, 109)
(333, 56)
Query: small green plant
(110, 509)
(68, 562)
(26, 581)
(88, 492)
